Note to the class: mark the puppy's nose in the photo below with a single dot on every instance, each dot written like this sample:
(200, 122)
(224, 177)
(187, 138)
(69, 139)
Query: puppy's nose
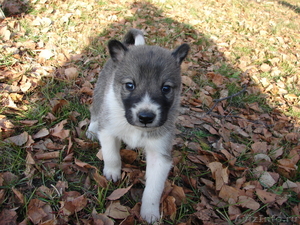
(146, 117)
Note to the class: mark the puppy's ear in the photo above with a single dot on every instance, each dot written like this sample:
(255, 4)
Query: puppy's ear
(117, 50)
(181, 52)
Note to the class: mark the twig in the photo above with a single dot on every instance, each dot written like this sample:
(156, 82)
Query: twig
(228, 97)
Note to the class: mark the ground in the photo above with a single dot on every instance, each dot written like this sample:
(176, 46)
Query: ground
(236, 151)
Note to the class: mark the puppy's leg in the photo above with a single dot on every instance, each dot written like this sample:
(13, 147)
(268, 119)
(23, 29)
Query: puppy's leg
(92, 130)
(157, 170)
(110, 146)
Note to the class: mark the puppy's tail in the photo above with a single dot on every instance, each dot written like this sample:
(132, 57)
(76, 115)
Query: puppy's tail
(134, 37)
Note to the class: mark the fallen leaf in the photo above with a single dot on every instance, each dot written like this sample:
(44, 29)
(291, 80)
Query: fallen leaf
(128, 156)
(265, 196)
(118, 193)
(29, 122)
(8, 216)
(289, 184)
(71, 73)
(46, 54)
(116, 210)
(48, 155)
(57, 107)
(179, 195)
(169, 207)
(35, 211)
(219, 173)
(19, 195)
(267, 180)
(101, 219)
(41, 133)
(58, 130)
(248, 202)
(259, 147)
(18, 140)
(187, 81)
(228, 192)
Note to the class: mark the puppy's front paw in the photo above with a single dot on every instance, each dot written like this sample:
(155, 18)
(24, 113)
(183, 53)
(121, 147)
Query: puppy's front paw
(150, 213)
(113, 174)
(91, 133)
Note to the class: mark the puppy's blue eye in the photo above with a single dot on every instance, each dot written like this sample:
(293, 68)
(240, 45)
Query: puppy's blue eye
(166, 89)
(130, 86)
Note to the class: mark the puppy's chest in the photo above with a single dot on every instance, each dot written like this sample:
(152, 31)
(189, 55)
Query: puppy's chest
(133, 137)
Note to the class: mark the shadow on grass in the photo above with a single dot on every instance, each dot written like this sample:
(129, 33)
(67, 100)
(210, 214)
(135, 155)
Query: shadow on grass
(204, 60)
(14, 7)
(290, 6)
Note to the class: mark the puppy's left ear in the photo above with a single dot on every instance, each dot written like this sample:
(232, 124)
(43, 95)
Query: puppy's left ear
(117, 50)
(181, 52)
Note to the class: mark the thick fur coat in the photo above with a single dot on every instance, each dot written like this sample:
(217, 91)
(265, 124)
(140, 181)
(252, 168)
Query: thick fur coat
(136, 100)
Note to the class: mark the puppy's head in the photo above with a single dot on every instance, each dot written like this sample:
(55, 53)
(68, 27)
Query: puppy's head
(147, 82)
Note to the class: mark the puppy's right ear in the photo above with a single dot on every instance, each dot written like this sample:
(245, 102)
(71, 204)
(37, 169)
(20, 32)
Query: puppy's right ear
(117, 50)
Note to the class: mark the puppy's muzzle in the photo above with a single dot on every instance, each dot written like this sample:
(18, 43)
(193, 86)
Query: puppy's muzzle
(146, 117)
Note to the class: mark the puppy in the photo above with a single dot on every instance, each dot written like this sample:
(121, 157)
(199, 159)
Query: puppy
(136, 99)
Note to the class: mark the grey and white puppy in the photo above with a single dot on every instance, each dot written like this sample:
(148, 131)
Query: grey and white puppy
(136, 100)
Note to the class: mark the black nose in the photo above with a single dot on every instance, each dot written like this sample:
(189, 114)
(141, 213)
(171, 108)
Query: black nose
(146, 117)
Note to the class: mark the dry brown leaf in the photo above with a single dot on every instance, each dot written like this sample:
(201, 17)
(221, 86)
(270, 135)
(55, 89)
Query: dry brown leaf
(118, 193)
(2, 195)
(169, 207)
(265, 196)
(35, 211)
(100, 180)
(292, 137)
(216, 78)
(29, 122)
(18, 140)
(58, 130)
(129, 220)
(71, 73)
(48, 155)
(289, 184)
(41, 134)
(19, 195)
(248, 202)
(219, 173)
(210, 129)
(5, 33)
(187, 81)
(228, 192)
(267, 180)
(44, 192)
(259, 147)
(128, 156)
(101, 219)
(265, 67)
(231, 159)
(72, 202)
(57, 107)
(87, 90)
(179, 195)
(8, 217)
(117, 211)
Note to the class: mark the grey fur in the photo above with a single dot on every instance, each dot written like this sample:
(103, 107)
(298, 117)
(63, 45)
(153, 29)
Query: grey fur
(138, 80)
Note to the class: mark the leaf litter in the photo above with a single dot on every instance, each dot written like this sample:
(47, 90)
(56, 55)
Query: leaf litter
(235, 159)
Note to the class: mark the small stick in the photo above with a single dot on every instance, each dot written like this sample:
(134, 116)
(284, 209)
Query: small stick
(222, 99)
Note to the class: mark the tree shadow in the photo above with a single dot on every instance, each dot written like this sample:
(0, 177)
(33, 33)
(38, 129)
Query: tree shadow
(206, 73)
(14, 7)
(290, 6)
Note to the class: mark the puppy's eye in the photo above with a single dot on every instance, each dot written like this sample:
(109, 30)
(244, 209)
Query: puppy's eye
(130, 86)
(166, 89)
